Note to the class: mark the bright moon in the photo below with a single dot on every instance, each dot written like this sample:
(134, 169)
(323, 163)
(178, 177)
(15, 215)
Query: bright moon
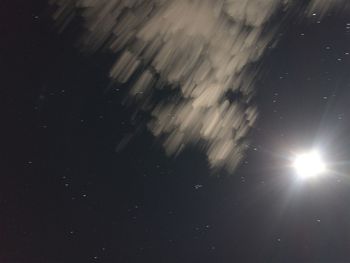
(309, 164)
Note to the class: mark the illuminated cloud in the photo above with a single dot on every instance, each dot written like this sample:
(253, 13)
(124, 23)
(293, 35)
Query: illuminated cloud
(321, 6)
(199, 52)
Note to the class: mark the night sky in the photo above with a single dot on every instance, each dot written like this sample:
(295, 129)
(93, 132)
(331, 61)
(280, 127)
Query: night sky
(67, 194)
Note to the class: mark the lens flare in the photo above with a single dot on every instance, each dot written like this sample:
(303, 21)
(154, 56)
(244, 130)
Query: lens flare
(309, 165)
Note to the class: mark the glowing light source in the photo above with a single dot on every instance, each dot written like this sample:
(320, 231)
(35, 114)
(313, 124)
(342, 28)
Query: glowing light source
(309, 164)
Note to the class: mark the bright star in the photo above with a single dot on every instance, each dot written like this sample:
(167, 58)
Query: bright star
(309, 165)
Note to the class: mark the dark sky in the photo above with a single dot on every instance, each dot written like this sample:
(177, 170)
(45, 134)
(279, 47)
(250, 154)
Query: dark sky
(66, 195)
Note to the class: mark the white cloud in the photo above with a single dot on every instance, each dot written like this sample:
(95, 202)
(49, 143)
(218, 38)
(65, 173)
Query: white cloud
(201, 49)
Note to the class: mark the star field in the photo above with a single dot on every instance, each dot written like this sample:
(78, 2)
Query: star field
(82, 182)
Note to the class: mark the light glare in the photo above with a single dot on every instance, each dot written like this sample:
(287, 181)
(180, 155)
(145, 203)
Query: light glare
(309, 165)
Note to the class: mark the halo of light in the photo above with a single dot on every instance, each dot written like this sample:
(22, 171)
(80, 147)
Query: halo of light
(309, 165)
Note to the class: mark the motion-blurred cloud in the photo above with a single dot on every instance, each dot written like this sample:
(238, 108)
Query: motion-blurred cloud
(203, 52)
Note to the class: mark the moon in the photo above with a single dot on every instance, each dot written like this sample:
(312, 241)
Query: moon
(309, 165)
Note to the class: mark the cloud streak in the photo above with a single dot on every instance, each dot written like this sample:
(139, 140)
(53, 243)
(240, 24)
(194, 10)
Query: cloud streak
(201, 53)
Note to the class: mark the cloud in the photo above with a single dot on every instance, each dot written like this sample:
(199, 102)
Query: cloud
(322, 6)
(200, 53)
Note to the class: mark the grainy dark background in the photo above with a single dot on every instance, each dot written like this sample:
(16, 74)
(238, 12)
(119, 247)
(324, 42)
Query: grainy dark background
(66, 195)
